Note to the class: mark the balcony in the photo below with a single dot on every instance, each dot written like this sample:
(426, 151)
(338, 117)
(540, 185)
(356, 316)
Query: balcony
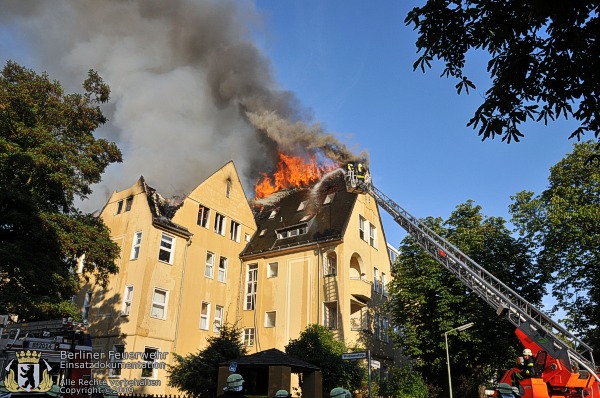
(360, 288)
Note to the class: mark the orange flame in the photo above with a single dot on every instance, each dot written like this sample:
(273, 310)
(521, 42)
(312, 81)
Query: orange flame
(291, 172)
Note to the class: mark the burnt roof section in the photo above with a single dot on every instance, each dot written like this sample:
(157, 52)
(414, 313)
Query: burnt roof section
(300, 217)
(273, 357)
(163, 210)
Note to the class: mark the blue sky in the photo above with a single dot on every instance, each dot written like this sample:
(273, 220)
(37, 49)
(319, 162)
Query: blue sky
(350, 63)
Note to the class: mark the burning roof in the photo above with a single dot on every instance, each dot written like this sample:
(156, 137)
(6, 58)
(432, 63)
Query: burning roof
(301, 216)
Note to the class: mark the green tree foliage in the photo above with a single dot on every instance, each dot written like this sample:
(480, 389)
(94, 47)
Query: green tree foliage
(403, 382)
(318, 345)
(197, 374)
(49, 156)
(427, 301)
(562, 224)
(544, 58)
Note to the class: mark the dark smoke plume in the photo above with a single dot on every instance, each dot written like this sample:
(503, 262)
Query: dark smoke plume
(190, 90)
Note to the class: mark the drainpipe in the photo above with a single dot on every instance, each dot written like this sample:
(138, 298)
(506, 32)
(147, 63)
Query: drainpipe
(318, 284)
(188, 243)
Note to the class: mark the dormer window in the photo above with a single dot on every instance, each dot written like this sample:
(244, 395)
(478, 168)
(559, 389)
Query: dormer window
(273, 214)
(292, 231)
(262, 233)
(329, 198)
(302, 205)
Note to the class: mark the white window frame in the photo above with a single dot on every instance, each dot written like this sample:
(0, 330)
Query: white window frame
(127, 300)
(272, 269)
(327, 316)
(361, 227)
(155, 304)
(302, 205)
(204, 220)
(270, 319)
(220, 221)
(87, 305)
(249, 334)
(330, 269)
(218, 322)
(209, 266)
(234, 231)
(135, 245)
(153, 370)
(251, 286)
(115, 371)
(222, 271)
(372, 235)
(329, 198)
(204, 317)
(166, 238)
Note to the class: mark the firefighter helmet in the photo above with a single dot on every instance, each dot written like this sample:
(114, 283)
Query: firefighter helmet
(235, 382)
(282, 394)
(527, 351)
(339, 392)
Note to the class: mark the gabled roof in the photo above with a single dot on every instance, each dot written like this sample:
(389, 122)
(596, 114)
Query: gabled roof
(273, 357)
(301, 217)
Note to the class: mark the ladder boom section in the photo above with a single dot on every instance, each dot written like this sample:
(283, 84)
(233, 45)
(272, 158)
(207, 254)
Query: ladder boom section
(535, 324)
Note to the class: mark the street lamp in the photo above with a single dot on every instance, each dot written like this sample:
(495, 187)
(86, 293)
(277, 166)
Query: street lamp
(457, 329)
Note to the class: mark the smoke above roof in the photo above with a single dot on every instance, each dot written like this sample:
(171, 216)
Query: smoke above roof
(190, 90)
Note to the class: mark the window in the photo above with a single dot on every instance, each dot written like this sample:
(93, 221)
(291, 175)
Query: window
(167, 246)
(228, 188)
(234, 231)
(204, 315)
(330, 314)
(273, 214)
(377, 327)
(329, 198)
(218, 318)
(249, 336)
(361, 227)
(127, 299)
(384, 327)
(251, 280)
(222, 269)
(151, 354)
(376, 281)
(87, 304)
(209, 265)
(116, 360)
(159, 304)
(128, 203)
(262, 232)
(372, 235)
(247, 237)
(330, 264)
(119, 207)
(272, 270)
(383, 284)
(270, 318)
(203, 213)
(292, 231)
(220, 224)
(135, 247)
(302, 205)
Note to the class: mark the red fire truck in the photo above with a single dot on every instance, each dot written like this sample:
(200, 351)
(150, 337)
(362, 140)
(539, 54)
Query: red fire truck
(40, 358)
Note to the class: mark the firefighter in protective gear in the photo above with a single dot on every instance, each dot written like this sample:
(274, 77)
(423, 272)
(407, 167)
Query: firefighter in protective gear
(527, 367)
(282, 394)
(360, 171)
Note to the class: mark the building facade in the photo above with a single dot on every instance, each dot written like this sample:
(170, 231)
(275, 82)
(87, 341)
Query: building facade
(271, 266)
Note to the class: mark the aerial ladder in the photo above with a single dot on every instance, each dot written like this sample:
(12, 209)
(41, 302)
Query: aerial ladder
(564, 364)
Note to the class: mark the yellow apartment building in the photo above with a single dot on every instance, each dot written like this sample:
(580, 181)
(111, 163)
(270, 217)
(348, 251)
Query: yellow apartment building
(274, 266)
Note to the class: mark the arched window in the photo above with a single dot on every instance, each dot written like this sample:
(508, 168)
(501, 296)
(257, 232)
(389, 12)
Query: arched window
(356, 267)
